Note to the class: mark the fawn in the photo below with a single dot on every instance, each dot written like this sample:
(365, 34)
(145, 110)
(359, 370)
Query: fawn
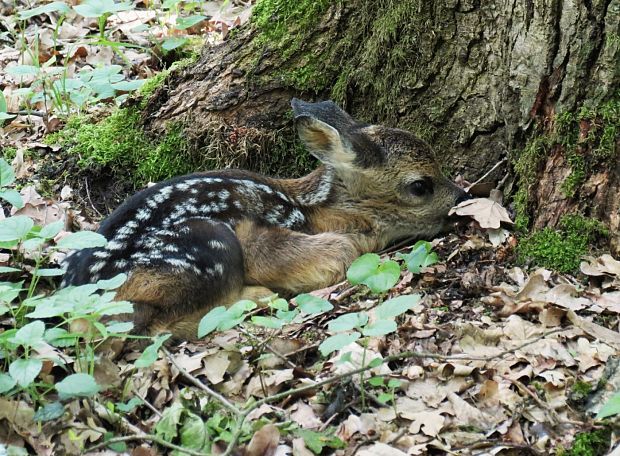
(207, 239)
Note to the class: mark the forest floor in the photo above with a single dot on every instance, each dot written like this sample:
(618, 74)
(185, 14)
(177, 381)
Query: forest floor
(465, 349)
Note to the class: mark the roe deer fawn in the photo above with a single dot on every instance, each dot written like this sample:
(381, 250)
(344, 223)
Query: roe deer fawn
(207, 239)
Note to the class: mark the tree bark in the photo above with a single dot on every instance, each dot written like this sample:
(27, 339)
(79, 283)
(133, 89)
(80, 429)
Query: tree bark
(479, 80)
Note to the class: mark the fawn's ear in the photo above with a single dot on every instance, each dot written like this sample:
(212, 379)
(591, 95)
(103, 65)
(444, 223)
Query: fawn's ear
(325, 130)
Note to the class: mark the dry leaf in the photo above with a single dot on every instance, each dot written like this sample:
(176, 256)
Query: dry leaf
(486, 212)
(264, 441)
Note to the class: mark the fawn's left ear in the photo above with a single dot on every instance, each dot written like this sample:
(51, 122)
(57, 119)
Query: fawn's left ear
(331, 134)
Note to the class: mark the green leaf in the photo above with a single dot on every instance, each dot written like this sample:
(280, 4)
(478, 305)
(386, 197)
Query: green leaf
(6, 269)
(611, 407)
(375, 381)
(6, 383)
(24, 371)
(369, 270)
(149, 355)
(128, 86)
(22, 70)
(112, 283)
(396, 306)
(3, 108)
(51, 230)
(337, 342)
(267, 322)
(172, 43)
(62, 7)
(82, 240)
(313, 305)
(12, 196)
(129, 406)
(194, 433)
(15, 228)
(211, 321)
(97, 8)
(119, 327)
(59, 337)
(166, 428)
(189, 21)
(363, 267)
(48, 308)
(287, 316)
(77, 385)
(420, 257)
(48, 272)
(386, 277)
(380, 328)
(49, 412)
(30, 334)
(33, 244)
(385, 397)
(348, 321)
(279, 304)
(394, 383)
(316, 441)
(9, 291)
(376, 362)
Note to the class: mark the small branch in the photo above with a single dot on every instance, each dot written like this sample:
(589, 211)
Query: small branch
(27, 113)
(268, 347)
(194, 381)
(149, 438)
(337, 378)
(486, 174)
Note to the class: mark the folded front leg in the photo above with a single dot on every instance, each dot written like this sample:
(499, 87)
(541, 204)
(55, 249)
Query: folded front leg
(292, 262)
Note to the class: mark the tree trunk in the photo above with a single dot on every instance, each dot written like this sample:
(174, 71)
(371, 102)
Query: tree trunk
(535, 81)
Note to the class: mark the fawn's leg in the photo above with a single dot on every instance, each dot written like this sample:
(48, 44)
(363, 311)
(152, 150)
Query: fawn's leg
(293, 262)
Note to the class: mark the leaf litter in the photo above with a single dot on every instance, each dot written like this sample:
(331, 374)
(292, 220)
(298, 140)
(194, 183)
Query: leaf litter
(496, 350)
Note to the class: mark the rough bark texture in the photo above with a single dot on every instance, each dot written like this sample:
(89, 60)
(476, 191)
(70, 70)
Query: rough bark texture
(477, 79)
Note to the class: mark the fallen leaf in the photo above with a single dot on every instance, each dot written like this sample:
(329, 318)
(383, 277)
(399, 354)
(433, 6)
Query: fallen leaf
(486, 212)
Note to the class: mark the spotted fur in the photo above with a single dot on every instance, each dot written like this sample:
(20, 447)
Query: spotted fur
(207, 239)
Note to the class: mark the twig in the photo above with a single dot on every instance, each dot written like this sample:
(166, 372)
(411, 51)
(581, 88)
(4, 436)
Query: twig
(524, 389)
(486, 174)
(268, 347)
(115, 418)
(146, 437)
(28, 113)
(147, 403)
(398, 357)
(225, 402)
(90, 200)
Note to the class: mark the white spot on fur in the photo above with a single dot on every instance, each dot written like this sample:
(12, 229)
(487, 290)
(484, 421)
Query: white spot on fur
(101, 254)
(215, 244)
(143, 214)
(115, 245)
(294, 218)
(96, 267)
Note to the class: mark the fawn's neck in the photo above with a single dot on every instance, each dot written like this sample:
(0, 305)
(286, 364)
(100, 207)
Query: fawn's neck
(324, 198)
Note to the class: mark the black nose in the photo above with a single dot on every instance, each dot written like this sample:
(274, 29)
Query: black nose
(464, 197)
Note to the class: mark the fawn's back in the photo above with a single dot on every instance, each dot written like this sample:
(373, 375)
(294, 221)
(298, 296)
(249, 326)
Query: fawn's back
(209, 239)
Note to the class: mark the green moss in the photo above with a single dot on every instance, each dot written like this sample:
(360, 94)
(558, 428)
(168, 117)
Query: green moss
(593, 443)
(282, 23)
(581, 388)
(9, 153)
(562, 249)
(587, 138)
(117, 142)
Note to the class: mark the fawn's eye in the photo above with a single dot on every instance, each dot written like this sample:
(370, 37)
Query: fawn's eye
(420, 187)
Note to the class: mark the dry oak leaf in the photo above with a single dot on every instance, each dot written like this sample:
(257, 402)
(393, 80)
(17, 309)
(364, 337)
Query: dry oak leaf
(486, 212)
(605, 264)
(381, 449)
(264, 441)
(430, 423)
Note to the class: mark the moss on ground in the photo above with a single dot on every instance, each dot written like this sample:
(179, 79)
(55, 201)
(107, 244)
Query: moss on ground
(118, 143)
(594, 443)
(8, 153)
(562, 249)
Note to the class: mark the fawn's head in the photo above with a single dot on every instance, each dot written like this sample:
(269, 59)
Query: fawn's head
(387, 174)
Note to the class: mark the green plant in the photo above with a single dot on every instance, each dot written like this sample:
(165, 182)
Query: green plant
(561, 249)
(610, 408)
(421, 256)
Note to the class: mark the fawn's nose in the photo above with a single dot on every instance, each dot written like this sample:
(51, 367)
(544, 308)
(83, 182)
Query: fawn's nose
(463, 197)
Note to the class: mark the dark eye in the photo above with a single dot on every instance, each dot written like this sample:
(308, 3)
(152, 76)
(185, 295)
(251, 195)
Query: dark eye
(420, 187)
